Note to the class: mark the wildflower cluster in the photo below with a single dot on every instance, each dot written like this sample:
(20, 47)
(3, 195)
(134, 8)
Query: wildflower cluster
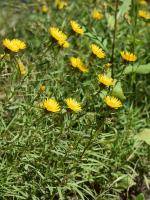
(52, 105)
(62, 112)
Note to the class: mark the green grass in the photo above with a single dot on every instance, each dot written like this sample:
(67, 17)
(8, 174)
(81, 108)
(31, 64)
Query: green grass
(94, 154)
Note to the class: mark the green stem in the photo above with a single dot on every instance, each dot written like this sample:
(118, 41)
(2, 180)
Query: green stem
(114, 37)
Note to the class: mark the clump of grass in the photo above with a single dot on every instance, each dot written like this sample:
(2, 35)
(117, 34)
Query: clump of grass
(68, 127)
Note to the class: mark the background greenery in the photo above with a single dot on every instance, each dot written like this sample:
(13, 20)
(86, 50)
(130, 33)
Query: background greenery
(96, 154)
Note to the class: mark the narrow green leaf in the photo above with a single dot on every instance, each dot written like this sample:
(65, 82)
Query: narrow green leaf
(147, 182)
(60, 193)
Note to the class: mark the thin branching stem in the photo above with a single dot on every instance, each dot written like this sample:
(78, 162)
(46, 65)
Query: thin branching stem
(114, 36)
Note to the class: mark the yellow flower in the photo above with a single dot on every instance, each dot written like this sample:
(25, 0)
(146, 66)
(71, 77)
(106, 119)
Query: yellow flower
(66, 44)
(60, 4)
(97, 15)
(105, 80)
(76, 27)
(77, 63)
(83, 68)
(107, 65)
(59, 36)
(42, 88)
(22, 68)
(51, 105)
(98, 51)
(142, 2)
(113, 102)
(14, 45)
(73, 105)
(128, 56)
(143, 14)
(44, 9)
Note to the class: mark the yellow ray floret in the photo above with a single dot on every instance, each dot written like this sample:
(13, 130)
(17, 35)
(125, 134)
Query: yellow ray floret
(83, 68)
(113, 102)
(59, 36)
(143, 14)
(77, 63)
(44, 8)
(107, 65)
(60, 4)
(76, 27)
(14, 45)
(98, 51)
(128, 56)
(42, 88)
(105, 80)
(73, 105)
(97, 14)
(51, 105)
(144, 2)
(22, 67)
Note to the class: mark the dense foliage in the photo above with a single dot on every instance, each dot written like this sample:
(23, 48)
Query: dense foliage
(74, 99)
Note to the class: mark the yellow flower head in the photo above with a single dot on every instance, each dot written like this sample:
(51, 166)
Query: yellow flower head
(83, 68)
(105, 80)
(76, 27)
(51, 105)
(14, 45)
(60, 4)
(128, 56)
(44, 8)
(59, 36)
(22, 68)
(97, 15)
(143, 14)
(107, 65)
(98, 51)
(77, 63)
(42, 88)
(144, 2)
(113, 102)
(73, 105)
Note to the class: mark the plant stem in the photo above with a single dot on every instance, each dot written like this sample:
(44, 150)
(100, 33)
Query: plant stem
(114, 36)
